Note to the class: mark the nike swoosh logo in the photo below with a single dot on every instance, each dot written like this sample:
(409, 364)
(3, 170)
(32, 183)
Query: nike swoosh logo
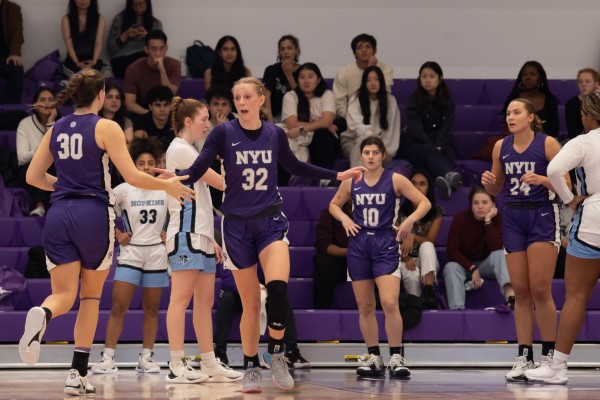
(544, 214)
(357, 188)
(235, 144)
(391, 247)
(275, 218)
(503, 157)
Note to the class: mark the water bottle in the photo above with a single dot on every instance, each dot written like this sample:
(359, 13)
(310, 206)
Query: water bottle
(470, 286)
(183, 66)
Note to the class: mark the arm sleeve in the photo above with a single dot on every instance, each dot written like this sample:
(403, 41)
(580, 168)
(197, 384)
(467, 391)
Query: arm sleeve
(174, 72)
(269, 78)
(413, 122)
(391, 137)
(454, 244)
(340, 92)
(567, 158)
(212, 147)
(296, 167)
(444, 136)
(130, 83)
(328, 102)
(493, 234)
(289, 107)
(24, 150)
(388, 74)
(15, 26)
(355, 120)
(114, 44)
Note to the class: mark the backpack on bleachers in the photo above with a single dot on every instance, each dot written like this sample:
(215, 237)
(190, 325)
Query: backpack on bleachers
(198, 58)
(12, 282)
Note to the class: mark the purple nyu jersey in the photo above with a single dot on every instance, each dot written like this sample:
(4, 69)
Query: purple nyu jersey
(375, 207)
(81, 166)
(515, 165)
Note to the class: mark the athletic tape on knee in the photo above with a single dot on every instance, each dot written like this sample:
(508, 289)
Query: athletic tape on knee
(278, 305)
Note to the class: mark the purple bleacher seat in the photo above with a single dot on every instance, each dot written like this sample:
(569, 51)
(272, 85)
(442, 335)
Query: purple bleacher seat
(482, 325)
(498, 90)
(301, 233)
(442, 238)
(300, 293)
(318, 324)
(301, 261)
(30, 230)
(8, 140)
(476, 118)
(315, 200)
(192, 87)
(329, 83)
(292, 200)
(8, 227)
(563, 89)
(15, 257)
(437, 326)
(442, 256)
(468, 142)
(592, 326)
(403, 88)
(16, 106)
(472, 170)
(341, 164)
(488, 295)
(467, 91)
(459, 201)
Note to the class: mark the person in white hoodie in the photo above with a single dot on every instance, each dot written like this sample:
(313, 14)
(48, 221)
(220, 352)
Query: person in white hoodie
(372, 111)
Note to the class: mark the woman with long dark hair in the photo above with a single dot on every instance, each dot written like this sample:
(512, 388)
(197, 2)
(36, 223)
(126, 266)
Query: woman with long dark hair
(82, 30)
(228, 66)
(114, 109)
(372, 111)
(127, 32)
(428, 138)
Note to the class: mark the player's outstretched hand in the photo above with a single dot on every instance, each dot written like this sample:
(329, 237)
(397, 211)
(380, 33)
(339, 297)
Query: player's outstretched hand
(179, 191)
(356, 173)
(164, 173)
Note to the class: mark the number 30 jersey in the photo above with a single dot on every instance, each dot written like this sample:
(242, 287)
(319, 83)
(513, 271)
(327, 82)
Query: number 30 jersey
(144, 213)
(515, 165)
(81, 166)
(375, 207)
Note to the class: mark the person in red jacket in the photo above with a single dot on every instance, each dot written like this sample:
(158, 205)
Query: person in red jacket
(475, 252)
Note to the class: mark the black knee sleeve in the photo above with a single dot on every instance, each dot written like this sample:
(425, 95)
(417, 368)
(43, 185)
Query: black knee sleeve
(278, 305)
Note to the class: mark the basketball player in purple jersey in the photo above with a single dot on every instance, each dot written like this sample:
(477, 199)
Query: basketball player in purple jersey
(373, 251)
(78, 235)
(254, 229)
(530, 227)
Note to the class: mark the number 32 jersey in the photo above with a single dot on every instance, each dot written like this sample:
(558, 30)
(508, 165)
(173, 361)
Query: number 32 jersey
(515, 165)
(375, 207)
(81, 166)
(144, 213)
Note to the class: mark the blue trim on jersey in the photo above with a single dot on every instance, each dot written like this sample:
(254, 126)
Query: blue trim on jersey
(580, 173)
(126, 223)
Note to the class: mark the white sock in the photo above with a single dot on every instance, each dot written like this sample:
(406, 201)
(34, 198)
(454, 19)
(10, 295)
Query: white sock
(109, 352)
(177, 357)
(559, 357)
(209, 359)
(146, 351)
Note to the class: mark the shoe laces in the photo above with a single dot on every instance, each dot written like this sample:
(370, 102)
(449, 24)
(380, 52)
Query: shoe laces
(222, 365)
(279, 364)
(396, 361)
(368, 360)
(253, 375)
(521, 364)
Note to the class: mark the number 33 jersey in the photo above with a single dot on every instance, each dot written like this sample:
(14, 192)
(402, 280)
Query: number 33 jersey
(144, 213)
(515, 165)
(375, 207)
(81, 166)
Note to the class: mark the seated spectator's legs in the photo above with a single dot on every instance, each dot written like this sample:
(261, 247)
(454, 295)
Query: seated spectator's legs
(40, 198)
(329, 270)
(454, 277)
(411, 279)
(428, 157)
(229, 303)
(428, 263)
(494, 267)
(14, 81)
(324, 148)
(351, 149)
(120, 64)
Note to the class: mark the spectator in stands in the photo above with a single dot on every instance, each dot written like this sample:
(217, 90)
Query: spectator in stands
(532, 84)
(30, 133)
(348, 79)
(157, 69)
(588, 81)
(475, 251)
(157, 122)
(428, 141)
(372, 111)
(142, 260)
(308, 114)
(330, 262)
(228, 66)
(11, 40)
(418, 259)
(83, 31)
(279, 77)
(114, 109)
(127, 32)
(230, 303)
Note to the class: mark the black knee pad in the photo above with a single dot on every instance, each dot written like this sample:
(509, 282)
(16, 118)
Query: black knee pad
(278, 305)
